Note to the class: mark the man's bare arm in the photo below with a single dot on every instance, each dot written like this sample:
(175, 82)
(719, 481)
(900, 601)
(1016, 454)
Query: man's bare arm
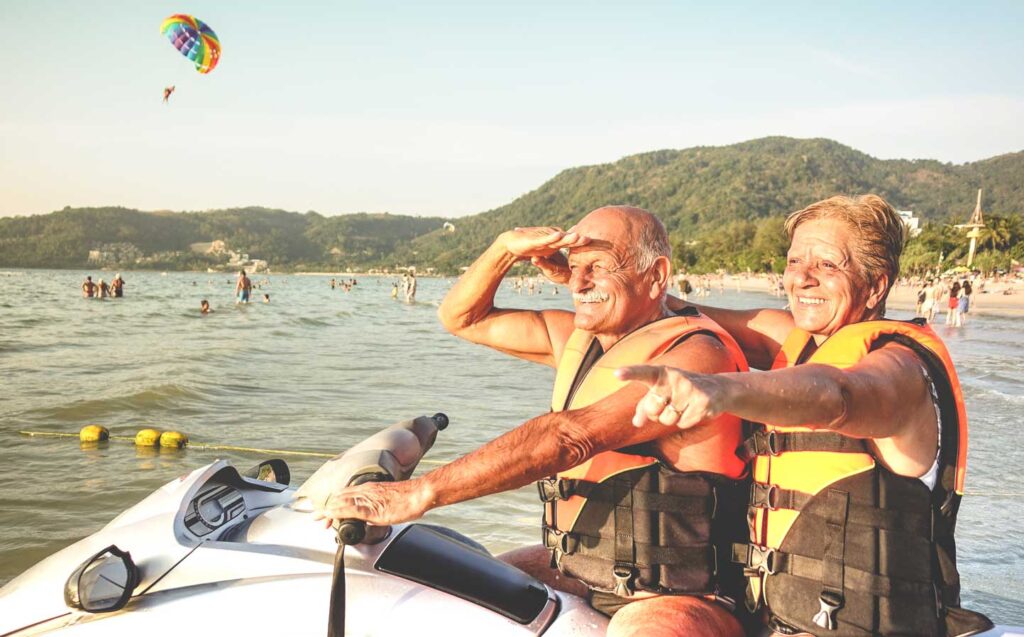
(558, 441)
(540, 447)
(468, 309)
(759, 332)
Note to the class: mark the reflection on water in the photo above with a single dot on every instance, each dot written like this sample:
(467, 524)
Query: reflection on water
(318, 370)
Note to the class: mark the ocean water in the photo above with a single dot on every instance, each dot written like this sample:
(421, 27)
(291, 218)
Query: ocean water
(319, 369)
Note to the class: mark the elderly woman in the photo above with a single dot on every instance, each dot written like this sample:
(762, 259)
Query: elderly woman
(858, 468)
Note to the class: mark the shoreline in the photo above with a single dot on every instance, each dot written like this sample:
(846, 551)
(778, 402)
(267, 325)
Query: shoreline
(903, 297)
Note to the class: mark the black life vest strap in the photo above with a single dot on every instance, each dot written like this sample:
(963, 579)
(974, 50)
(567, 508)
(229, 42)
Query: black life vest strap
(772, 497)
(758, 559)
(624, 570)
(646, 554)
(551, 489)
(833, 571)
(772, 443)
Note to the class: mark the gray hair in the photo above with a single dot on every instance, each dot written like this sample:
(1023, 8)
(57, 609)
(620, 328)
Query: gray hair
(652, 242)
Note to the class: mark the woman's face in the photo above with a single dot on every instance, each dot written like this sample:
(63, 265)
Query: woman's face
(826, 289)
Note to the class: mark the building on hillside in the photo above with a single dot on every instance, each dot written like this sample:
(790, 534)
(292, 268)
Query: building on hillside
(913, 223)
(114, 254)
(214, 247)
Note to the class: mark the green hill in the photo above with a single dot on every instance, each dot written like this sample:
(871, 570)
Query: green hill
(724, 199)
(722, 205)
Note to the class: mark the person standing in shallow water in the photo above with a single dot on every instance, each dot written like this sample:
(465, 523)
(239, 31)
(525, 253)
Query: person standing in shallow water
(243, 288)
(88, 288)
(410, 287)
(117, 286)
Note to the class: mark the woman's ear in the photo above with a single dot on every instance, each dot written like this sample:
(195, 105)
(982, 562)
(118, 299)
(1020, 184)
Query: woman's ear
(878, 291)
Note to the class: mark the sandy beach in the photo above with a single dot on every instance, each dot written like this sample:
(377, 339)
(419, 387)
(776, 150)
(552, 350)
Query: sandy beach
(904, 297)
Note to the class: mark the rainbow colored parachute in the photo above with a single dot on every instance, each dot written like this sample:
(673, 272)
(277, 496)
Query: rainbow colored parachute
(194, 40)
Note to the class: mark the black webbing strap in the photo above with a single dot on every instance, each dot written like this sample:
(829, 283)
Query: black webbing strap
(772, 497)
(624, 570)
(773, 443)
(759, 559)
(647, 555)
(564, 488)
(834, 564)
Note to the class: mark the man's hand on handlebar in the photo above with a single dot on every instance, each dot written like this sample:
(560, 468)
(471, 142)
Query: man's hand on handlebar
(378, 503)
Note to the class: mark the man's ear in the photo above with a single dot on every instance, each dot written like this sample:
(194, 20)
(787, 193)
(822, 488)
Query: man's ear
(661, 271)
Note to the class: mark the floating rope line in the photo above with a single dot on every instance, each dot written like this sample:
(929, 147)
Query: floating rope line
(212, 447)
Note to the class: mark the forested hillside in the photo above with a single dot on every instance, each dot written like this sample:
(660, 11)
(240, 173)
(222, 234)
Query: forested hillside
(722, 205)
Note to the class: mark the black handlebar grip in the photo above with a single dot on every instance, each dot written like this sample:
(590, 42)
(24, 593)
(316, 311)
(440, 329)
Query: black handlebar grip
(441, 421)
(351, 532)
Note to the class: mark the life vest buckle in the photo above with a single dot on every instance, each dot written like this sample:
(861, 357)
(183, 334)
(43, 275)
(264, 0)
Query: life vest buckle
(762, 559)
(623, 575)
(551, 489)
(830, 605)
(764, 496)
(560, 541)
(547, 490)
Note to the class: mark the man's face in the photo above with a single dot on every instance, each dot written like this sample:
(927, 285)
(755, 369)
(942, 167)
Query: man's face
(610, 296)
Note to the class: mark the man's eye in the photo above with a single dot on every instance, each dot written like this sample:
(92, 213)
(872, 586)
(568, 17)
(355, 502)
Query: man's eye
(792, 261)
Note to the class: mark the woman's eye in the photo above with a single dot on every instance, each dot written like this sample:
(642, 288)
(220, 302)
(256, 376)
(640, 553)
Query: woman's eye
(792, 261)
(828, 265)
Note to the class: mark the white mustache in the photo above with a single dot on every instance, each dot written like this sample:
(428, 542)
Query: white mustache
(590, 297)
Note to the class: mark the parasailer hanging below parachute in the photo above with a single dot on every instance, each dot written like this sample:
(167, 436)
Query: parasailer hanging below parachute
(194, 39)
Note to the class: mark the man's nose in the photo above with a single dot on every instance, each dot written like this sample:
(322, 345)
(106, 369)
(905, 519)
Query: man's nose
(579, 279)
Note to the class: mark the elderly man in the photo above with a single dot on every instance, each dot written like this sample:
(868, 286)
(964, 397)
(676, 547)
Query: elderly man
(639, 519)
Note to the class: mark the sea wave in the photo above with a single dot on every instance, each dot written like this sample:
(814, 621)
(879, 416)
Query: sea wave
(160, 397)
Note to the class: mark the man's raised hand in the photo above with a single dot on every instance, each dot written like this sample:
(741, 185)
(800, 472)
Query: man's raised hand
(541, 242)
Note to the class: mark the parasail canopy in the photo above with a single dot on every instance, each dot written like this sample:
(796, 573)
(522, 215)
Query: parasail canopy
(193, 39)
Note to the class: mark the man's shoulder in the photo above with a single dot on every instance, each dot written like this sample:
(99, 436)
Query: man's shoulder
(700, 352)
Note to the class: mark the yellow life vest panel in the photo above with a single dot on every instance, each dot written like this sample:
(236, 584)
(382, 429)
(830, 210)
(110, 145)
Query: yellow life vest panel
(624, 521)
(839, 545)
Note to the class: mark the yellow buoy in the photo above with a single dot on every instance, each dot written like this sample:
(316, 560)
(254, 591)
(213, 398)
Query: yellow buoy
(93, 433)
(174, 439)
(147, 438)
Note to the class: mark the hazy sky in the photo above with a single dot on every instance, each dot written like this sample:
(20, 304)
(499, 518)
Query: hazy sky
(452, 108)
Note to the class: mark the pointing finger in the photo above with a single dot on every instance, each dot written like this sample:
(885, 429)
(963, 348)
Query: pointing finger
(648, 374)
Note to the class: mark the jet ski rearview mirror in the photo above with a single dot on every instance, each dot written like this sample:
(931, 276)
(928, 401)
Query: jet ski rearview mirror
(103, 583)
(274, 470)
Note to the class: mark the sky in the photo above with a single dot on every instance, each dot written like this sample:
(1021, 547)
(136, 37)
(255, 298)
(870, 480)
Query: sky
(454, 108)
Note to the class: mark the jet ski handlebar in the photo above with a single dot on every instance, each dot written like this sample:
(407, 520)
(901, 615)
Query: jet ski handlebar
(390, 455)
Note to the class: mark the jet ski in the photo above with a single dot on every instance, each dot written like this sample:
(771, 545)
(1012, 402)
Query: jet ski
(223, 551)
(236, 552)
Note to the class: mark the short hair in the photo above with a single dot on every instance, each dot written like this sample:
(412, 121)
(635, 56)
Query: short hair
(880, 233)
(651, 242)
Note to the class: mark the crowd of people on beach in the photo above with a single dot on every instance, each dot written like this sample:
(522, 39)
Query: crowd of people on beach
(101, 289)
(933, 295)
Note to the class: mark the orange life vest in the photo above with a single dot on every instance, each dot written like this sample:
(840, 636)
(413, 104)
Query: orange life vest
(839, 544)
(623, 521)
